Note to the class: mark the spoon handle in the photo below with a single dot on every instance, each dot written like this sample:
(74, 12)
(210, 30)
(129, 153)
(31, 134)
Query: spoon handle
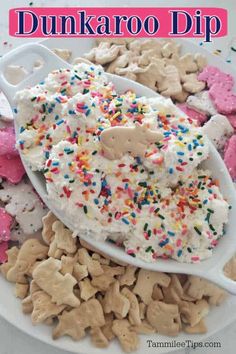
(28, 53)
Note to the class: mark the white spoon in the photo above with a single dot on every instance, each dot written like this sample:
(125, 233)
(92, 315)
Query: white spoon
(211, 269)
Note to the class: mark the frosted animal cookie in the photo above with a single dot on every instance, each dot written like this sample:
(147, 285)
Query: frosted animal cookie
(7, 142)
(24, 204)
(201, 102)
(31, 221)
(151, 43)
(11, 166)
(229, 156)
(218, 129)
(60, 287)
(223, 98)
(5, 225)
(165, 318)
(181, 97)
(152, 75)
(121, 61)
(138, 46)
(191, 84)
(148, 55)
(3, 252)
(117, 141)
(18, 198)
(192, 113)
(200, 60)
(30, 251)
(19, 236)
(74, 322)
(103, 54)
(5, 109)
(170, 48)
(171, 84)
(185, 64)
(135, 47)
(131, 71)
(187, 61)
(232, 120)
(118, 41)
(212, 75)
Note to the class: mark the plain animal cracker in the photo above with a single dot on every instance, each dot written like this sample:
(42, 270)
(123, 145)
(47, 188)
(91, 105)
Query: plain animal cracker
(60, 287)
(30, 251)
(117, 141)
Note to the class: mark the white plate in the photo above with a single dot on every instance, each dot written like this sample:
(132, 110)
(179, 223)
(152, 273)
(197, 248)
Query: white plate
(10, 308)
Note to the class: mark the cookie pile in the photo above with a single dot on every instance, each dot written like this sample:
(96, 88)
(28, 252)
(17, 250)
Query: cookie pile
(203, 92)
(64, 282)
(21, 210)
(156, 64)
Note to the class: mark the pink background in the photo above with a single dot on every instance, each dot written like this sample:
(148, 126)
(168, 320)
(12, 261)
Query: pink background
(162, 14)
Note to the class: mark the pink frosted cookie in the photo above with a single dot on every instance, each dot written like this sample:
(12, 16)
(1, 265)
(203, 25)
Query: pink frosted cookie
(3, 249)
(5, 225)
(224, 100)
(212, 75)
(199, 117)
(232, 120)
(7, 142)
(230, 158)
(11, 168)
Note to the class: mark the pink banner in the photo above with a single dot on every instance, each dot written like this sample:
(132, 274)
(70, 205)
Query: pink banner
(113, 22)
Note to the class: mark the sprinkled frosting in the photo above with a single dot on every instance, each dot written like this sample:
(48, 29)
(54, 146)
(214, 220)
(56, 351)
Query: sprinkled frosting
(157, 205)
